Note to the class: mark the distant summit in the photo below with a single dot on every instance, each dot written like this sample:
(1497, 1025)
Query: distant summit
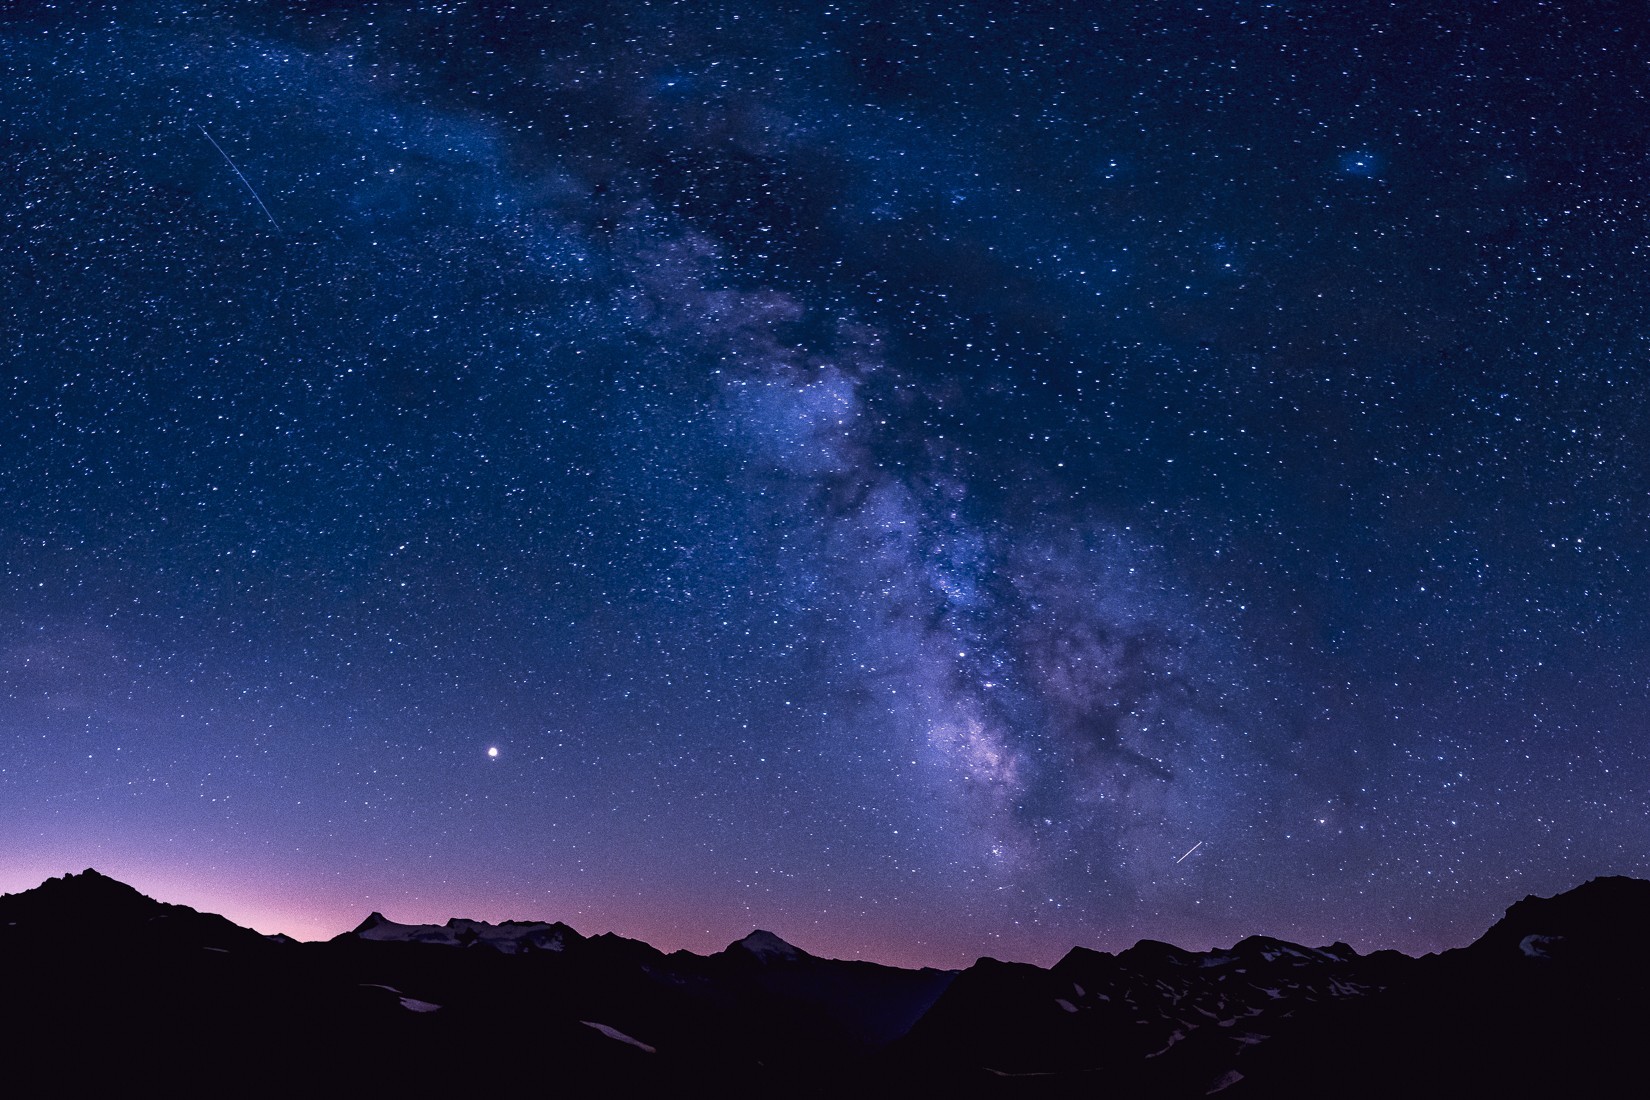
(768, 947)
(509, 938)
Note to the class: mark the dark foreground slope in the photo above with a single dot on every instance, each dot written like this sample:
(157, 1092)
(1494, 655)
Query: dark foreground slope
(1551, 1001)
(108, 989)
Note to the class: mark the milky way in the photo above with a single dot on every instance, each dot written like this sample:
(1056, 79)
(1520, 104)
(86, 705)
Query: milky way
(904, 479)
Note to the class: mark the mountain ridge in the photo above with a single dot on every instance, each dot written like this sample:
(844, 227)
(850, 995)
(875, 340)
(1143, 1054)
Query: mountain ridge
(1264, 1017)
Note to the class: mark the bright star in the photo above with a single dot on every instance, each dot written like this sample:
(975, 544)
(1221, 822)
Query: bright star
(1360, 162)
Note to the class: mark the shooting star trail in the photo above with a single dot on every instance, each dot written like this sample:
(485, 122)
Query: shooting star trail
(1189, 851)
(242, 177)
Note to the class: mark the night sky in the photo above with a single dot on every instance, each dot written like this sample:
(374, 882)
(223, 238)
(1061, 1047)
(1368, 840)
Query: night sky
(897, 475)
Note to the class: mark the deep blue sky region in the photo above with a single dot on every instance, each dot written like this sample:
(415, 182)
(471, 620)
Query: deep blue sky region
(930, 480)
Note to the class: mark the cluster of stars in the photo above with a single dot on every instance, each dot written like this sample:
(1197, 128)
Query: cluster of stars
(912, 479)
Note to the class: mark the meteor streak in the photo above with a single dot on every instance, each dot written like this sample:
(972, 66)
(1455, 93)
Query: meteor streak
(242, 177)
(1189, 851)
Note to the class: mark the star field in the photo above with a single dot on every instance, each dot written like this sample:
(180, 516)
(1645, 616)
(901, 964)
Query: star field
(895, 476)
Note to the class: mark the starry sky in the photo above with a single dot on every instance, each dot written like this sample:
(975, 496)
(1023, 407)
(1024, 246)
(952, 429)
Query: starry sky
(897, 475)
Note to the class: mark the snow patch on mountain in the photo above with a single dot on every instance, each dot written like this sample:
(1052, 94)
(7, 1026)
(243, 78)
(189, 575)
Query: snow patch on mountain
(411, 1004)
(768, 947)
(615, 1033)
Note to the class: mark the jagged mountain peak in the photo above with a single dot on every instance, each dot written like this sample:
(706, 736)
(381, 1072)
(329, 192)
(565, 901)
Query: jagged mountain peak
(90, 882)
(89, 895)
(375, 919)
(92, 908)
(511, 937)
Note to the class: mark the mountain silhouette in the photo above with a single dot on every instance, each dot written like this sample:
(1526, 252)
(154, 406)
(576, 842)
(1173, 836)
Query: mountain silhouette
(106, 988)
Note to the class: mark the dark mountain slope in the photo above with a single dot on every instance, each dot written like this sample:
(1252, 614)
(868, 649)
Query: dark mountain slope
(1551, 1001)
